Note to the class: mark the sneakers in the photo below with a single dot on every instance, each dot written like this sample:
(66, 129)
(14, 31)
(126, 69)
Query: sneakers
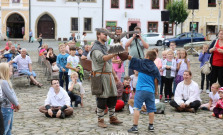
(151, 128)
(207, 91)
(201, 91)
(133, 130)
(166, 101)
(161, 96)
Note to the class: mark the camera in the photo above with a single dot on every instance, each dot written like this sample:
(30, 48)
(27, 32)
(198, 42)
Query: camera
(137, 35)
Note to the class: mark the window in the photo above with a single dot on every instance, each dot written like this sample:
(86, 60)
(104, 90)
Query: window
(211, 3)
(152, 26)
(114, 3)
(128, 3)
(194, 26)
(15, 1)
(165, 3)
(168, 28)
(155, 4)
(87, 24)
(111, 25)
(74, 24)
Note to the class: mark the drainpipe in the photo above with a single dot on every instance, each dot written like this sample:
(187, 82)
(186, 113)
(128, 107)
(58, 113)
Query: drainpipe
(102, 13)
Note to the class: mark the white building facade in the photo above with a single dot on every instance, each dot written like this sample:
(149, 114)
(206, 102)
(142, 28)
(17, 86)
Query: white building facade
(58, 19)
(143, 13)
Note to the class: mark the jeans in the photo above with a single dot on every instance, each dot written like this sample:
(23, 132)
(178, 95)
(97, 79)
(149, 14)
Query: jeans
(63, 76)
(75, 98)
(202, 81)
(40, 44)
(2, 129)
(8, 119)
(26, 72)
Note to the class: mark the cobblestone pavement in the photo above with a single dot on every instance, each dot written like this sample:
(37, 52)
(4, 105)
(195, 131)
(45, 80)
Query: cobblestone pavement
(84, 121)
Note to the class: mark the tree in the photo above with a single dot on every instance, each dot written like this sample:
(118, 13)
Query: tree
(178, 12)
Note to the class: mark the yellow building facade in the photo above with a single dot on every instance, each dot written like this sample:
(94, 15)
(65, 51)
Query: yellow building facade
(15, 19)
(205, 19)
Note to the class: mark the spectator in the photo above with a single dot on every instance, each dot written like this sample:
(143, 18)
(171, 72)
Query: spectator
(11, 55)
(213, 98)
(73, 38)
(40, 40)
(10, 102)
(83, 39)
(187, 94)
(52, 58)
(216, 48)
(164, 53)
(137, 46)
(120, 103)
(19, 48)
(61, 63)
(7, 47)
(118, 67)
(30, 36)
(86, 51)
(173, 48)
(76, 90)
(57, 102)
(204, 57)
(127, 89)
(43, 51)
(24, 67)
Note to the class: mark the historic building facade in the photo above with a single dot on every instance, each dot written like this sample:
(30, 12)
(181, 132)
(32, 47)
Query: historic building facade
(205, 19)
(15, 19)
(58, 19)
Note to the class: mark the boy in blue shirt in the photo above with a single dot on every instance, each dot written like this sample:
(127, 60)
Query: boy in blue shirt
(146, 88)
(61, 63)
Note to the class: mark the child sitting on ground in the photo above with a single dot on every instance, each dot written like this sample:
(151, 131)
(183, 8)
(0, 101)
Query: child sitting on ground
(218, 110)
(119, 104)
(214, 97)
(76, 90)
(127, 89)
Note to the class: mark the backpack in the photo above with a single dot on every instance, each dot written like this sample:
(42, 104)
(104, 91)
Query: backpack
(81, 72)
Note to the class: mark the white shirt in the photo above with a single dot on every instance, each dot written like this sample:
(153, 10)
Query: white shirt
(214, 98)
(59, 99)
(82, 40)
(73, 60)
(22, 63)
(190, 93)
(133, 82)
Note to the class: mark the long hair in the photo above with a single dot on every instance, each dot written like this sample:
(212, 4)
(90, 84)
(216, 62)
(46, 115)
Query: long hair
(4, 73)
(185, 59)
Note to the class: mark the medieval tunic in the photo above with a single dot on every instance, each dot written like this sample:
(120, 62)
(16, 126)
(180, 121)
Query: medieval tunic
(108, 81)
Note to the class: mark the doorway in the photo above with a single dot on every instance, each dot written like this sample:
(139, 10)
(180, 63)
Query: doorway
(131, 28)
(46, 26)
(15, 26)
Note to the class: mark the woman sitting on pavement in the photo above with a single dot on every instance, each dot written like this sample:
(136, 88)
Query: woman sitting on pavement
(187, 95)
(52, 58)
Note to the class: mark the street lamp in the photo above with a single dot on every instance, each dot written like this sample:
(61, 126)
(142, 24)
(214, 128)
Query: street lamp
(78, 35)
(219, 12)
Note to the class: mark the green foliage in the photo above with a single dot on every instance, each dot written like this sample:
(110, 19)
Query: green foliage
(178, 11)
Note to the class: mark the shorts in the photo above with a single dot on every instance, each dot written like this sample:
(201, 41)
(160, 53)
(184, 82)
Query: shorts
(147, 97)
(26, 72)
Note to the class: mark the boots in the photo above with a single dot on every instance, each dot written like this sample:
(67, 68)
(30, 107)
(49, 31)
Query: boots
(101, 123)
(114, 120)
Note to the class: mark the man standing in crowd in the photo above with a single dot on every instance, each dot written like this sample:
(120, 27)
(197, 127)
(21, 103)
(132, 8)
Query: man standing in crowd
(137, 45)
(102, 65)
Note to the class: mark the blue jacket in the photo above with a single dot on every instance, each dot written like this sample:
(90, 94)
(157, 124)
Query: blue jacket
(145, 66)
(203, 58)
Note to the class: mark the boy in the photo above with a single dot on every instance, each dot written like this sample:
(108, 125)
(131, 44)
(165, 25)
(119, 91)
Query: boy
(146, 88)
(126, 89)
(76, 90)
(61, 63)
(72, 62)
(173, 47)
